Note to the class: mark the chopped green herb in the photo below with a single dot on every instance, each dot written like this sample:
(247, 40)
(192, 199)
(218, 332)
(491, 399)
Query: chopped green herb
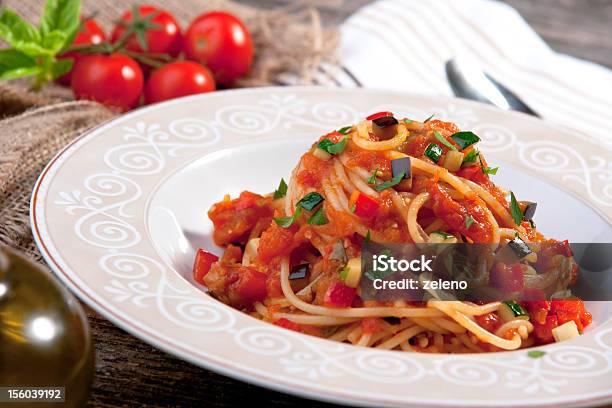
(443, 234)
(465, 139)
(368, 237)
(281, 190)
(469, 220)
(434, 152)
(310, 201)
(345, 130)
(286, 222)
(353, 208)
(429, 118)
(490, 170)
(532, 223)
(443, 140)
(536, 353)
(408, 121)
(515, 210)
(318, 218)
(372, 179)
(344, 273)
(487, 170)
(331, 147)
(390, 183)
(471, 157)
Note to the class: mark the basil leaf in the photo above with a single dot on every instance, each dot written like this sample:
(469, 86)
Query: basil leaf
(434, 152)
(281, 190)
(515, 210)
(345, 130)
(465, 139)
(318, 218)
(286, 222)
(61, 16)
(310, 201)
(372, 179)
(390, 183)
(443, 140)
(55, 41)
(16, 30)
(368, 237)
(331, 147)
(15, 64)
(469, 220)
(429, 118)
(61, 67)
(471, 157)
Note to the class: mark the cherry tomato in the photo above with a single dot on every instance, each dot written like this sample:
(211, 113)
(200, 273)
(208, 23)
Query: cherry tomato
(222, 43)
(164, 39)
(178, 79)
(89, 33)
(114, 80)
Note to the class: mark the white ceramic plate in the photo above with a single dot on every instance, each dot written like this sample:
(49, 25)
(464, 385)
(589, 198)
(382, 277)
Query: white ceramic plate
(119, 213)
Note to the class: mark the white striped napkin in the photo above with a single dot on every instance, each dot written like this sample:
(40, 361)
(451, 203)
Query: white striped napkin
(403, 45)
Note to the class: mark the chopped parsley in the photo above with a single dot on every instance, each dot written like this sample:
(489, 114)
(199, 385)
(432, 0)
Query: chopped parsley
(372, 179)
(536, 353)
(443, 140)
(515, 210)
(469, 220)
(318, 218)
(331, 147)
(345, 130)
(443, 234)
(390, 183)
(465, 139)
(408, 121)
(310, 201)
(353, 208)
(344, 273)
(286, 222)
(281, 190)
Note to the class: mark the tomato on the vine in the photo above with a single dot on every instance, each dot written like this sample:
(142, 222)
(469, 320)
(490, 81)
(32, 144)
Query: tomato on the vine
(222, 43)
(114, 80)
(176, 79)
(162, 33)
(89, 33)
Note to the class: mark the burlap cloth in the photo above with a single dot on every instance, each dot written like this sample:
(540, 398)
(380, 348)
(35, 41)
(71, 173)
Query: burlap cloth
(34, 127)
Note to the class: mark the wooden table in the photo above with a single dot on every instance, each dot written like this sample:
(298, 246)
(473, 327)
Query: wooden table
(132, 373)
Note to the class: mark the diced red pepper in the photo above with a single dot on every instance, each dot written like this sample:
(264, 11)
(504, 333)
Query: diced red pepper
(379, 115)
(365, 206)
(568, 310)
(507, 278)
(288, 324)
(544, 331)
(249, 287)
(538, 309)
(339, 295)
(202, 264)
(490, 322)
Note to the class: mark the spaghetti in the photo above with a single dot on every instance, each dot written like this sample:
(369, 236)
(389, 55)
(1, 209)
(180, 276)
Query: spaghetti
(292, 257)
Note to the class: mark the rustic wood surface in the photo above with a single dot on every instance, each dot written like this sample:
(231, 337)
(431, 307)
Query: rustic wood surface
(132, 373)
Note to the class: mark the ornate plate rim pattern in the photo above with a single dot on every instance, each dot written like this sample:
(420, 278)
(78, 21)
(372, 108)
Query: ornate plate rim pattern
(106, 247)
